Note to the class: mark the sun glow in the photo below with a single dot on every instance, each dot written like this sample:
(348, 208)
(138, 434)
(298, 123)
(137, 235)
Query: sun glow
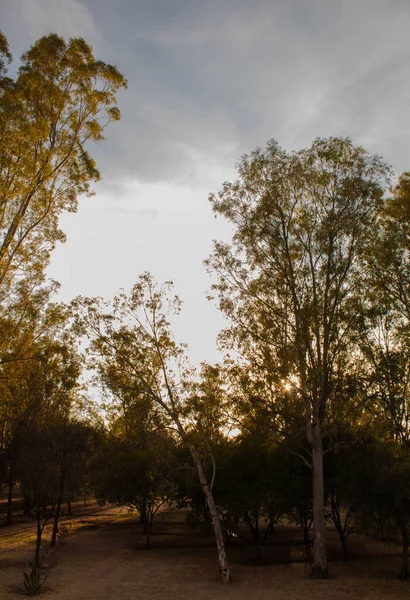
(291, 383)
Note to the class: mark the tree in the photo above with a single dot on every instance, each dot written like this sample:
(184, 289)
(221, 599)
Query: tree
(5, 57)
(61, 100)
(123, 472)
(292, 281)
(38, 476)
(70, 446)
(44, 438)
(25, 320)
(389, 258)
(135, 458)
(386, 348)
(382, 476)
(41, 388)
(386, 354)
(135, 331)
(342, 487)
(248, 486)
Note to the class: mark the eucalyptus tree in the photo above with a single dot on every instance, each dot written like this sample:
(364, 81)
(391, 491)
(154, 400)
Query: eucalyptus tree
(70, 444)
(389, 256)
(134, 330)
(51, 444)
(380, 475)
(386, 354)
(5, 58)
(60, 102)
(25, 317)
(134, 460)
(124, 471)
(128, 410)
(292, 281)
(37, 389)
(386, 348)
(38, 476)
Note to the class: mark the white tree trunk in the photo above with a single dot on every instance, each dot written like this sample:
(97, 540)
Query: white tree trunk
(320, 568)
(224, 569)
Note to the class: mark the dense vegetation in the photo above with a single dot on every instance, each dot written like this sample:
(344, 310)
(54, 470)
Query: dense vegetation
(307, 417)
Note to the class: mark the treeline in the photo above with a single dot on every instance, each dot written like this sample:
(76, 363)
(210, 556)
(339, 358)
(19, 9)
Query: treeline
(58, 105)
(306, 417)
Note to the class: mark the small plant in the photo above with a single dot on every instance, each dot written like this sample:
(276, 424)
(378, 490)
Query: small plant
(32, 584)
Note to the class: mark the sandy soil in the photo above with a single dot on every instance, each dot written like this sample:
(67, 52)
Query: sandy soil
(108, 560)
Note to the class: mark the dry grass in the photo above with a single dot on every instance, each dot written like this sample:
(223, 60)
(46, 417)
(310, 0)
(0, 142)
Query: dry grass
(110, 562)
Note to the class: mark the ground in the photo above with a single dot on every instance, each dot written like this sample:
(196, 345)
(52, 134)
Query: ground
(104, 558)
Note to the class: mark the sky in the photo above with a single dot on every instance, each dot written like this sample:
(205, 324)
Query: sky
(209, 80)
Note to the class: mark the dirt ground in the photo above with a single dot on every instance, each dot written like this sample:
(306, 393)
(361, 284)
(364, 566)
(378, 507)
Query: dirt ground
(106, 559)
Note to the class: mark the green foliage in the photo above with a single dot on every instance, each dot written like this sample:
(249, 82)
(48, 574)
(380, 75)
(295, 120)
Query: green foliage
(384, 486)
(123, 472)
(244, 482)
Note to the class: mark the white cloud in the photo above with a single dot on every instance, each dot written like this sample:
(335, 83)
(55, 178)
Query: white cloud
(208, 81)
(144, 213)
(222, 77)
(68, 18)
(107, 250)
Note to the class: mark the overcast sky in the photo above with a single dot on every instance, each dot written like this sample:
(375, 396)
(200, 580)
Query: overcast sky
(208, 81)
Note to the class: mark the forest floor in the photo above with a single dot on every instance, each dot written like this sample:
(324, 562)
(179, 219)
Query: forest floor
(104, 558)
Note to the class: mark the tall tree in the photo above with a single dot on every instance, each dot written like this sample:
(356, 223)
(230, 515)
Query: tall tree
(135, 331)
(386, 348)
(386, 355)
(61, 100)
(69, 441)
(38, 389)
(292, 280)
(134, 440)
(124, 472)
(389, 256)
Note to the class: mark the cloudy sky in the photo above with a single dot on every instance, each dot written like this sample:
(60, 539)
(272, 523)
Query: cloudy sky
(208, 81)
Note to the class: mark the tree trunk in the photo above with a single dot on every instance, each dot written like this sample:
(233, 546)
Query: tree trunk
(257, 540)
(27, 506)
(305, 534)
(149, 520)
(206, 522)
(224, 570)
(381, 525)
(337, 522)
(38, 539)
(69, 506)
(405, 571)
(248, 519)
(143, 515)
(254, 532)
(320, 568)
(9, 515)
(270, 529)
(57, 511)
(144, 521)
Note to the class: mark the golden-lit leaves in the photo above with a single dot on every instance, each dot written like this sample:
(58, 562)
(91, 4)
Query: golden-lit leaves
(292, 281)
(62, 99)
